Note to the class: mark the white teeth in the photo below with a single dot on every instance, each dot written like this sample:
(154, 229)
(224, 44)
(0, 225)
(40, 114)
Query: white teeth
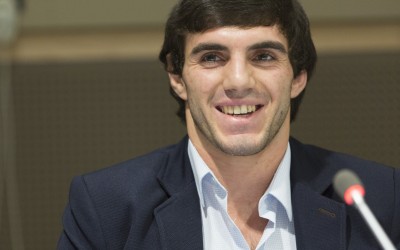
(238, 110)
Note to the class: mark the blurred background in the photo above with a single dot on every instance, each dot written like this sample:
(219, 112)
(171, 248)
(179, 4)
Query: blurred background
(81, 89)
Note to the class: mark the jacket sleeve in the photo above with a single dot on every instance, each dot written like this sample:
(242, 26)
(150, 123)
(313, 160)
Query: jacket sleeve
(82, 227)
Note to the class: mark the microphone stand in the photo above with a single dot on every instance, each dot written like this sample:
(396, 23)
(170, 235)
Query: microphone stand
(372, 222)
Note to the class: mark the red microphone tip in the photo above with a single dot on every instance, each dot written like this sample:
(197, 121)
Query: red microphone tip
(349, 191)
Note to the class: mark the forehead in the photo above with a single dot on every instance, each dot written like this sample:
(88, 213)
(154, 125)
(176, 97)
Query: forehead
(236, 37)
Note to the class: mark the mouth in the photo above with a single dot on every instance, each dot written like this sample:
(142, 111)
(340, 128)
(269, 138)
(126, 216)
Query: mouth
(239, 110)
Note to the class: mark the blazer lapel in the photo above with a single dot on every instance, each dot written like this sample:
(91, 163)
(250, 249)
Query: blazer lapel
(179, 221)
(179, 217)
(320, 221)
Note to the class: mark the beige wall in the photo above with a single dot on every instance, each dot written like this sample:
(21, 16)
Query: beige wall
(76, 13)
(99, 29)
(352, 10)
(127, 43)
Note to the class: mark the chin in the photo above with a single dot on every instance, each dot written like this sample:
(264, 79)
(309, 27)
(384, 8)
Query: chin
(239, 146)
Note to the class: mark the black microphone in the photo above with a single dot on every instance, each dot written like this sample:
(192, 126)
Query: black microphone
(350, 188)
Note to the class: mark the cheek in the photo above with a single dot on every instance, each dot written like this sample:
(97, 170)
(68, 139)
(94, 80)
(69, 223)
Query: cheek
(201, 84)
(279, 85)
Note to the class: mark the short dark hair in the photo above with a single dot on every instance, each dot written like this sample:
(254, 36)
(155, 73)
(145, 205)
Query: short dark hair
(196, 16)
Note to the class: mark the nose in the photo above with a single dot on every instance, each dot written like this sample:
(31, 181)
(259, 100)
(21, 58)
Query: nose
(238, 76)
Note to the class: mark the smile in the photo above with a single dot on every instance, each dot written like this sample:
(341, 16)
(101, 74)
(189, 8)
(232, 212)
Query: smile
(239, 109)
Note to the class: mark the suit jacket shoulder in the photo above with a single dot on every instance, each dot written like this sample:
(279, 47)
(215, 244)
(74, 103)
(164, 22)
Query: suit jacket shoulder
(123, 206)
(314, 199)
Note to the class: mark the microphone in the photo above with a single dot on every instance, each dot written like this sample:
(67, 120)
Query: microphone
(350, 188)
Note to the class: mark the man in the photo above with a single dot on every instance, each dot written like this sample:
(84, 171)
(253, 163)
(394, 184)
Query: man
(238, 69)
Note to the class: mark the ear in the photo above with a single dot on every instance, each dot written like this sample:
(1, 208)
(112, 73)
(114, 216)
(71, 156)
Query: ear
(178, 85)
(299, 84)
(175, 80)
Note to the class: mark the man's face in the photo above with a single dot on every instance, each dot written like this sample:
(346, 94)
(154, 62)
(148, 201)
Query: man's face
(237, 84)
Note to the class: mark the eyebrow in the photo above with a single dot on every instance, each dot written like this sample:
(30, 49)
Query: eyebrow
(218, 47)
(208, 46)
(269, 45)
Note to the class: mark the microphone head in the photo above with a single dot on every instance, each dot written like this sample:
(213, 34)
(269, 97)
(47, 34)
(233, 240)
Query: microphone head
(345, 183)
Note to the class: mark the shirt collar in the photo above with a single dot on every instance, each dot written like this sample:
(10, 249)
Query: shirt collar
(279, 187)
(200, 169)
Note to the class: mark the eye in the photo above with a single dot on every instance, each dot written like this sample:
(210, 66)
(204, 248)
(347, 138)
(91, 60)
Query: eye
(210, 58)
(264, 57)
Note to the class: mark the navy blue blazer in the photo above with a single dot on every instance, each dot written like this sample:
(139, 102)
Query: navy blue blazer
(151, 202)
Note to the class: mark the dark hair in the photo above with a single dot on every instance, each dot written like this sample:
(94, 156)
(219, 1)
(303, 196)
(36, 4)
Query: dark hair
(195, 16)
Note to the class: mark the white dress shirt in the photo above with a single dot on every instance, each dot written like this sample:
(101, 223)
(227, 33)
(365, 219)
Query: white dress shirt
(219, 229)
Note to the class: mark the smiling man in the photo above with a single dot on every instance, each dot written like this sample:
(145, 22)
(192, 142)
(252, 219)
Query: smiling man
(237, 84)
(238, 69)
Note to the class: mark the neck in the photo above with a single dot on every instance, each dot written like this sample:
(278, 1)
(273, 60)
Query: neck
(244, 177)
